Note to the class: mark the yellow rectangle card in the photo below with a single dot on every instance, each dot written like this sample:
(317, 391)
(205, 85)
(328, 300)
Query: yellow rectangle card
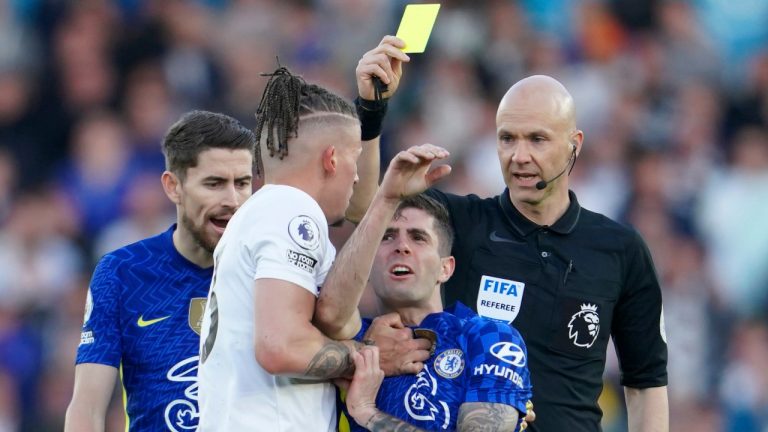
(416, 26)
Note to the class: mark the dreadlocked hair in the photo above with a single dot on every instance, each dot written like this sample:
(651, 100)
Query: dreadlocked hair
(287, 98)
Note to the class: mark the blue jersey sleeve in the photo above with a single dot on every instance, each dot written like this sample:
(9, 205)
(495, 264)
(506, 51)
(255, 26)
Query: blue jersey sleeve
(100, 335)
(497, 364)
(366, 322)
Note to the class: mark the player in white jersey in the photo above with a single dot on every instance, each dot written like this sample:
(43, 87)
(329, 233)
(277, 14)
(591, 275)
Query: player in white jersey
(280, 234)
(264, 365)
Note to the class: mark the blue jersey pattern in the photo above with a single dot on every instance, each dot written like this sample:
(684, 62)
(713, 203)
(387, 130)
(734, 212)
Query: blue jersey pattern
(463, 368)
(144, 313)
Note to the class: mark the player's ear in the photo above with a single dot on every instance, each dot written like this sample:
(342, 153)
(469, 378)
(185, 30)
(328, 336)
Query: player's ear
(447, 266)
(329, 160)
(171, 186)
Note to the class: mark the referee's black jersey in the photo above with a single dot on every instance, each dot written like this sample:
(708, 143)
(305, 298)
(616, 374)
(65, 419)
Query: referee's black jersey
(567, 288)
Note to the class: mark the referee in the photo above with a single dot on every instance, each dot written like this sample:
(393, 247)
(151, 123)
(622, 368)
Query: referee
(566, 277)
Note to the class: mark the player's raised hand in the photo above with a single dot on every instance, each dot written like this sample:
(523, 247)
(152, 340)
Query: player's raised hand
(385, 62)
(411, 171)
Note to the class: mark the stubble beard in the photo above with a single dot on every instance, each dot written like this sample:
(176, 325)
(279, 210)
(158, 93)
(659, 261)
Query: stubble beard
(198, 235)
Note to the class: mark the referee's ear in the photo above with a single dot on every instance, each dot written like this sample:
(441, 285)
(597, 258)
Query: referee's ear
(447, 266)
(577, 139)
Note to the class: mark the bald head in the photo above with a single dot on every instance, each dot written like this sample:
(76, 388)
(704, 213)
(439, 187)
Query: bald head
(537, 143)
(540, 95)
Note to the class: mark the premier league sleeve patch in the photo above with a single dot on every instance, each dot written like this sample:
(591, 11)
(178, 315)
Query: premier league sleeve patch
(88, 307)
(86, 334)
(304, 232)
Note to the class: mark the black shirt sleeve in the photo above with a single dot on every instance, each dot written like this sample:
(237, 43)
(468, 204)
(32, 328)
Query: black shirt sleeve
(637, 326)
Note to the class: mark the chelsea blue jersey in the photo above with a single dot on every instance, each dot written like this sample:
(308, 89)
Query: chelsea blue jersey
(475, 360)
(143, 315)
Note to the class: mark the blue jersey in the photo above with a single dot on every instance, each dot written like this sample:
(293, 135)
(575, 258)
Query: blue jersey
(475, 360)
(143, 314)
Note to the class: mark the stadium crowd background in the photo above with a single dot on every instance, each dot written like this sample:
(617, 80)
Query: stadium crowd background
(672, 96)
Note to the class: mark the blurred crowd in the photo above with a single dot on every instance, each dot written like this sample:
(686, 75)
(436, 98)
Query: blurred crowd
(672, 96)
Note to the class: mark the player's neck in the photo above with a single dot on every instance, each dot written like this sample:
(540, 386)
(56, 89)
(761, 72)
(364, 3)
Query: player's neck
(302, 180)
(413, 315)
(189, 249)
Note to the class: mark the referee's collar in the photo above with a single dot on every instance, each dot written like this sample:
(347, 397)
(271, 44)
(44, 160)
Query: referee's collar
(525, 226)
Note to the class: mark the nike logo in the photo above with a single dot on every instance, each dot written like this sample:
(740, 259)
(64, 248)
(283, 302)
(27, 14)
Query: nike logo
(495, 238)
(143, 323)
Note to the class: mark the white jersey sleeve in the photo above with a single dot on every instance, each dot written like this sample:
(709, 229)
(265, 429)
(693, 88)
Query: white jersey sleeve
(292, 244)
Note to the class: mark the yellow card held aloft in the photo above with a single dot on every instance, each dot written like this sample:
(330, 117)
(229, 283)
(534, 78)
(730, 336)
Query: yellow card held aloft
(416, 26)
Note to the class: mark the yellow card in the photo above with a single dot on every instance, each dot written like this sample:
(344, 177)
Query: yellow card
(416, 26)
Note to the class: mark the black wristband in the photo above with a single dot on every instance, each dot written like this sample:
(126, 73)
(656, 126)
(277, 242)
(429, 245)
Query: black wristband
(371, 115)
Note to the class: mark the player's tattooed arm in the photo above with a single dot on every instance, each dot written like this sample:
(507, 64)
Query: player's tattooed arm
(362, 392)
(285, 341)
(487, 416)
(381, 422)
(333, 360)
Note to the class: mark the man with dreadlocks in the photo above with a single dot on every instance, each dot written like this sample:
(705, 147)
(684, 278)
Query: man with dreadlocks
(264, 365)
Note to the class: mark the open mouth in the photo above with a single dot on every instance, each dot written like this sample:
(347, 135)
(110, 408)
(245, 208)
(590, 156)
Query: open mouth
(219, 222)
(400, 270)
(526, 178)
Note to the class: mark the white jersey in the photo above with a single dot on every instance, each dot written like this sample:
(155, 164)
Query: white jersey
(279, 233)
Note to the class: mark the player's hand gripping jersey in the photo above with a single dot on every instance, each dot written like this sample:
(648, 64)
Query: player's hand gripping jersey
(475, 360)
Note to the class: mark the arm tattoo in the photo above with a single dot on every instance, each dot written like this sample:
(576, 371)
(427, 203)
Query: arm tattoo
(383, 422)
(486, 416)
(332, 361)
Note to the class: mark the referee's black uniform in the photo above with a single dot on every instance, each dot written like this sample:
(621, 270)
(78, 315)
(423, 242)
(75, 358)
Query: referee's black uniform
(567, 288)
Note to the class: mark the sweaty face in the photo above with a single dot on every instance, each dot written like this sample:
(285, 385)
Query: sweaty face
(533, 144)
(212, 191)
(408, 268)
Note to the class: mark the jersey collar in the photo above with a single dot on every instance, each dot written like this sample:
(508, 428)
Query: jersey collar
(524, 226)
(181, 259)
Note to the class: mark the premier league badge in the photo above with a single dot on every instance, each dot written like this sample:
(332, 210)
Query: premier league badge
(304, 232)
(584, 326)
